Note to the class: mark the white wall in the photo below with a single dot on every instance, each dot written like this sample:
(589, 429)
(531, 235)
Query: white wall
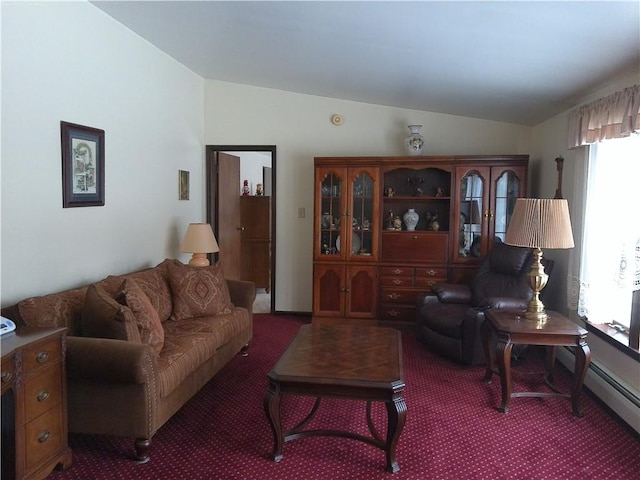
(549, 140)
(70, 61)
(300, 127)
(251, 168)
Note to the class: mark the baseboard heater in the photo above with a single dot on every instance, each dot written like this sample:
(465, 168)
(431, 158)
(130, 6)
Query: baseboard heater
(566, 356)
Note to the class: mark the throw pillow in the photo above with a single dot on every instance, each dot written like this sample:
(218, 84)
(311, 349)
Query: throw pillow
(198, 291)
(103, 317)
(146, 317)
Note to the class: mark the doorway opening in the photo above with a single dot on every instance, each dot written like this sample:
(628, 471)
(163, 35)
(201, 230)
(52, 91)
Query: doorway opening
(227, 167)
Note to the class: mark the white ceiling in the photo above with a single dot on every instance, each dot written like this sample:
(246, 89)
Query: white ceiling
(512, 61)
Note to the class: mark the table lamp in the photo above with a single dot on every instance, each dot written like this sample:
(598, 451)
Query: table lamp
(199, 240)
(539, 223)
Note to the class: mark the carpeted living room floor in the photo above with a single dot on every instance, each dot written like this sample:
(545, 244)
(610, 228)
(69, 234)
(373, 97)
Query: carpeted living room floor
(453, 429)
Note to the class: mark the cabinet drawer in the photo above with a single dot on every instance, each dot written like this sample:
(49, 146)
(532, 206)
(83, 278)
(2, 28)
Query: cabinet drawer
(430, 272)
(427, 283)
(42, 355)
(43, 437)
(42, 392)
(397, 271)
(397, 313)
(417, 247)
(407, 297)
(396, 281)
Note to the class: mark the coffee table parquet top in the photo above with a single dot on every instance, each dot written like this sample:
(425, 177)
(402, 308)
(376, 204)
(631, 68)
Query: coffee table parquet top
(343, 355)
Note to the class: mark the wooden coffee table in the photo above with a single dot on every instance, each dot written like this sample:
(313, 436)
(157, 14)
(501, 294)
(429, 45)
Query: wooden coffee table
(350, 362)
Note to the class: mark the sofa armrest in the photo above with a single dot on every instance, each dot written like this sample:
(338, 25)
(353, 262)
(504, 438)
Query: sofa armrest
(243, 293)
(109, 361)
(452, 292)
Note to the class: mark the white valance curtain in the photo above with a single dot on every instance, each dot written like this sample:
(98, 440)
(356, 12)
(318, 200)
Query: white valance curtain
(615, 116)
(605, 268)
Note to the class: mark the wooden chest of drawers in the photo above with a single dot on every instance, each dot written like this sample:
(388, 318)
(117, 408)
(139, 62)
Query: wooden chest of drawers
(34, 403)
(400, 287)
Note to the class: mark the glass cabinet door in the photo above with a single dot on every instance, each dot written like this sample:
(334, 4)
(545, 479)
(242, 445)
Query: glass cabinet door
(472, 212)
(332, 213)
(507, 189)
(362, 215)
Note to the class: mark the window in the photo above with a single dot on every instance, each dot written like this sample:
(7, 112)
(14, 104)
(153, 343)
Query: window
(610, 263)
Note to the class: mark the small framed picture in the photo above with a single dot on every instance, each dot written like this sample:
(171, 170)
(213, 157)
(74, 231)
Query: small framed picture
(183, 185)
(82, 165)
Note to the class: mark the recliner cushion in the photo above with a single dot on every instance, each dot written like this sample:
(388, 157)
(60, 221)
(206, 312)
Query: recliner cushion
(445, 318)
(507, 259)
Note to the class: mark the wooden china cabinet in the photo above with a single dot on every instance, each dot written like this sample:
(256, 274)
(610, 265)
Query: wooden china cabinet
(346, 232)
(368, 267)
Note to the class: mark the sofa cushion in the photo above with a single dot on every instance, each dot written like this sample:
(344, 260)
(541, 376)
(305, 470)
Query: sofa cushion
(189, 343)
(147, 319)
(63, 309)
(154, 282)
(104, 317)
(198, 291)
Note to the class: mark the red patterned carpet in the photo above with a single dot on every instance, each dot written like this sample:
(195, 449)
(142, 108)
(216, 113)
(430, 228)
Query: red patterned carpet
(453, 429)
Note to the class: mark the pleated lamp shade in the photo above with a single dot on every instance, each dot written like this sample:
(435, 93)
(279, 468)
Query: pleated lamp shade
(540, 223)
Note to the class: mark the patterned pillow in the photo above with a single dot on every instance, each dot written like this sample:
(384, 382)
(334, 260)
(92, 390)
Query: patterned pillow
(198, 291)
(103, 317)
(151, 332)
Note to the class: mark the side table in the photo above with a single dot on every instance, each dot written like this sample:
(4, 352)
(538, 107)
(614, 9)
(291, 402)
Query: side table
(34, 403)
(512, 328)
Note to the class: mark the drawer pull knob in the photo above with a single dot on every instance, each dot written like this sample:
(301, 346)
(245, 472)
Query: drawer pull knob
(431, 283)
(415, 237)
(393, 313)
(431, 273)
(6, 377)
(397, 271)
(397, 282)
(44, 436)
(393, 296)
(42, 357)
(42, 395)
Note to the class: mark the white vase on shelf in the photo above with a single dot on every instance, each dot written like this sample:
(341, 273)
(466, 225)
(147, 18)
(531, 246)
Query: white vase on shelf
(414, 143)
(410, 219)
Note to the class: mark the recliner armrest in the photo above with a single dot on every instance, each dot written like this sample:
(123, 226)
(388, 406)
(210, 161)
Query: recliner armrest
(104, 360)
(507, 303)
(452, 292)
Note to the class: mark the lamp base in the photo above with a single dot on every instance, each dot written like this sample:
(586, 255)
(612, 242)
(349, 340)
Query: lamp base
(537, 281)
(199, 260)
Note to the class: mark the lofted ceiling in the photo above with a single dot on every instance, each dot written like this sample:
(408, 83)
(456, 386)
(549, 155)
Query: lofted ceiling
(511, 61)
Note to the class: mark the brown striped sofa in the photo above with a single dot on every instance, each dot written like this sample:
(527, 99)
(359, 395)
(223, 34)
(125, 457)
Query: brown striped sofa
(133, 359)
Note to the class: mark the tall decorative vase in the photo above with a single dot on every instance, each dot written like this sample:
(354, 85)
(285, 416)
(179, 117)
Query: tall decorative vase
(414, 143)
(410, 219)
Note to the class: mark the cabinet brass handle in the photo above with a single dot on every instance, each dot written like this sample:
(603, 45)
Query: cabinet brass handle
(395, 281)
(6, 376)
(415, 237)
(347, 290)
(44, 436)
(431, 283)
(42, 395)
(398, 271)
(393, 313)
(431, 273)
(393, 296)
(42, 357)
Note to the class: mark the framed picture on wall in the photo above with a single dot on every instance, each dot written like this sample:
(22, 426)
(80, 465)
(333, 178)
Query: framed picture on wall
(82, 165)
(183, 185)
